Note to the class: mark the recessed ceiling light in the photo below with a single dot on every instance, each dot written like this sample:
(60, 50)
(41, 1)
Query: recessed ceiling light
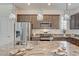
(69, 4)
(28, 4)
(49, 4)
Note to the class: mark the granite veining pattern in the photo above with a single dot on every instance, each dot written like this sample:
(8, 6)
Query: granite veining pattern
(45, 48)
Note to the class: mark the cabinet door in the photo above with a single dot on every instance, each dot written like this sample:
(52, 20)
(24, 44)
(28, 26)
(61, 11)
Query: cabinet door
(34, 21)
(47, 18)
(55, 22)
(72, 22)
(77, 21)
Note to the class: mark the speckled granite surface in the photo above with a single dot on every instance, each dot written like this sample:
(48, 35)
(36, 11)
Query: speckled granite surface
(44, 48)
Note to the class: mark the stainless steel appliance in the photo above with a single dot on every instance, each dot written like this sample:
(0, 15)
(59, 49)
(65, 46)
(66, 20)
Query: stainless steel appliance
(23, 32)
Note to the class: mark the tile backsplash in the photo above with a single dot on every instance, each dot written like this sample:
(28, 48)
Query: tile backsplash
(54, 31)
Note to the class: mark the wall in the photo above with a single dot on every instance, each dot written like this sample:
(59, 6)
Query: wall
(35, 11)
(6, 25)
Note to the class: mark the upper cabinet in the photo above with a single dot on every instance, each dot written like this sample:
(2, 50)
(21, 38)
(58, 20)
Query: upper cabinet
(74, 21)
(48, 19)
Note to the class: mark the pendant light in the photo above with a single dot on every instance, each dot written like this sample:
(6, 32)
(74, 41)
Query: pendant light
(49, 4)
(28, 4)
(66, 12)
(12, 16)
(40, 15)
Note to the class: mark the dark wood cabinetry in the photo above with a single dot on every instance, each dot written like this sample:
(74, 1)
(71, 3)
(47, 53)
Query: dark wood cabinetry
(74, 22)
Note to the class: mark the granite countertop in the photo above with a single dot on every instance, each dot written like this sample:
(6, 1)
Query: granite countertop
(44, 48)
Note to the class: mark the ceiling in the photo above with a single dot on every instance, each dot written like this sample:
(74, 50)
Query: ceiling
(45, 6)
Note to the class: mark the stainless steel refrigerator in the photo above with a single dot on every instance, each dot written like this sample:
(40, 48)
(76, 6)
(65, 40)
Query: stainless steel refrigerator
(23, 32)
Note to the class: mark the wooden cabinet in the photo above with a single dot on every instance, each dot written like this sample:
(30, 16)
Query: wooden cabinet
(53, 19)
(74, 21)
(55, 22)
